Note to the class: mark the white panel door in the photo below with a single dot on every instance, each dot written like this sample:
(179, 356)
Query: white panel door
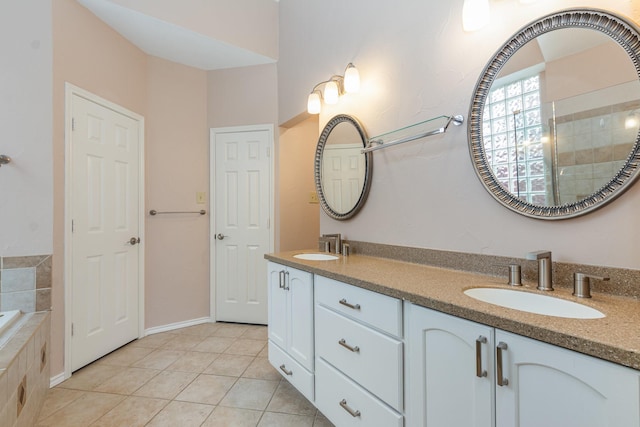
(241, 172)
(105, 236)
(342, 174)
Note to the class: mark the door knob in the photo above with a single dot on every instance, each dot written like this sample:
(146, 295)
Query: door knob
(220, 236)
(132, 241)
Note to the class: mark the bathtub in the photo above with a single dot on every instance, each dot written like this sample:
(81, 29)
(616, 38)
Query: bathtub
(7, 318)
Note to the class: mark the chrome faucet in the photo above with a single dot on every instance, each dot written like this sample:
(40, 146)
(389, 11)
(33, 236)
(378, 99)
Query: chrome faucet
(336, 239)
(545, 267)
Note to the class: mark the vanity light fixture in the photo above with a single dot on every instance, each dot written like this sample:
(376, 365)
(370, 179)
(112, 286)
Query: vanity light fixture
(333, 89)
(631, 121)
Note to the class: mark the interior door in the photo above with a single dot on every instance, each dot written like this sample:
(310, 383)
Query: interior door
(241, 173)
(105, 238)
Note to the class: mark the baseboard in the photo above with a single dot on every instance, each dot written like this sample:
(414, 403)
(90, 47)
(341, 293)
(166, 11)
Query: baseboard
(56, 379)
(177, 325)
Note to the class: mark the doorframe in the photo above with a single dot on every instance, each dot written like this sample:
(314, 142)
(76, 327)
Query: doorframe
(70, 91)
(212, 208)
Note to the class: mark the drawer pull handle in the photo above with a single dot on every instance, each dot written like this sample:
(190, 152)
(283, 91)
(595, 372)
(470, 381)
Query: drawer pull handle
(343, 301)
(479, 371)
(344, 405)
(281, 279)
(501, 380)
(285, 370)
(343, 343)
(286, 280)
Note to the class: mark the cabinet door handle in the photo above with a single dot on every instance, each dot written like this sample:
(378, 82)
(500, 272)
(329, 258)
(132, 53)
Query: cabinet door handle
(479, 371)
(286, 280)
(346, 407)
(344, 302)
(285, 370)
(343, 343)
(281, 279)
(501, 380)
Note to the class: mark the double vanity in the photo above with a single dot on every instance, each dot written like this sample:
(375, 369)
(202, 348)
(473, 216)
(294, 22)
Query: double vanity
(378, 342)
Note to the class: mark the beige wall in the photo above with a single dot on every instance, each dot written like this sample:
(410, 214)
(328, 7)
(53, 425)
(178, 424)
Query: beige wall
(177, 166)
(26, 199)
(173, 100)
(90, 55)
(299, 219)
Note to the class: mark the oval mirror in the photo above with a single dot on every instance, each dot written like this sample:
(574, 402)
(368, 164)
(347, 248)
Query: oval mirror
(553, 124)
(342, 171)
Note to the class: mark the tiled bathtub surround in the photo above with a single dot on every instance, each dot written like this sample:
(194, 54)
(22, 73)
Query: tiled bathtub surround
(24, 370)
(624, 282)
(25, 283)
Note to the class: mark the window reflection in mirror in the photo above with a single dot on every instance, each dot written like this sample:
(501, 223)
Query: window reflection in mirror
(562, 116)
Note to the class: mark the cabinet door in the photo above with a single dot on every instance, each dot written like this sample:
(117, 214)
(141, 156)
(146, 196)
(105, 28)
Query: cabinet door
(300, 323)
(554, 387)
(442, 385)
(277, 305)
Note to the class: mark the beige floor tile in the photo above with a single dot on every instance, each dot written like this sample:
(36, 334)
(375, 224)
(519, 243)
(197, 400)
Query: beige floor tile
(255, 332)
(250, 394)
(183, 342)
(202, 330)
(261, 369)
(322, 421)
(58, 398)
(182, 414)
(127, 381)
(125, 356)
(153, 341)
(83, 411)
(230, 365)
(246, 347)
(166, 385)
(273, 419)
(236, 417)
(214, 344)
(208, 389)
(159, 359)
(230, 330)
(91, 376)
(264, 352)
(288, 400)
(132, 412)
(193, 361)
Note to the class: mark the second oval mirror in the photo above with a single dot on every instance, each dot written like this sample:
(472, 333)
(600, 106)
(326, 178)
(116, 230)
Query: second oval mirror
(342, 171)
(555, 117)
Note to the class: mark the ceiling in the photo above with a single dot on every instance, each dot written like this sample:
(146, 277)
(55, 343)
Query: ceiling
(172, 42)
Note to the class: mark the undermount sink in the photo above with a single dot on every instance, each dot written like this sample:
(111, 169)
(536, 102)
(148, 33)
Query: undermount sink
(316, 257)
(534, 303)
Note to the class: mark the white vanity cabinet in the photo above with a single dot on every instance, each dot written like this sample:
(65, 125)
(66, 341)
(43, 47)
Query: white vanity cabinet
(359, 355)
(463, 373)
(291, 338)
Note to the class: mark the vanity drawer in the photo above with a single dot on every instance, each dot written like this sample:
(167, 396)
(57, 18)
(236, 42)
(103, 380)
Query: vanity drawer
(370, 358)
(333, 388)
(377, 310)
(297, 375)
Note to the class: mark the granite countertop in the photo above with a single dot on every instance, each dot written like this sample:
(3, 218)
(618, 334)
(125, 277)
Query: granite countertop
(615, 338)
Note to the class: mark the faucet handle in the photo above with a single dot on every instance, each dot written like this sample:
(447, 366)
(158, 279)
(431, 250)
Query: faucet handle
(582, 284)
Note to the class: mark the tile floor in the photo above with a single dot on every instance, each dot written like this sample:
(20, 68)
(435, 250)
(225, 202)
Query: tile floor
(209, 375)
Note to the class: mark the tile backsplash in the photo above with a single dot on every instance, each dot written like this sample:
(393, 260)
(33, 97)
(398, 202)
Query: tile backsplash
(25, 283)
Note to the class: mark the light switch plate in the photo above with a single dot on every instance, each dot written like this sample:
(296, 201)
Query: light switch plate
(313, 197)
(201, 197)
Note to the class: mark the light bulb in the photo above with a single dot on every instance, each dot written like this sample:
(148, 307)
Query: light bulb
(331, 93)
(313, 103)
(351, 79)
(475, 14)
(631, 121)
